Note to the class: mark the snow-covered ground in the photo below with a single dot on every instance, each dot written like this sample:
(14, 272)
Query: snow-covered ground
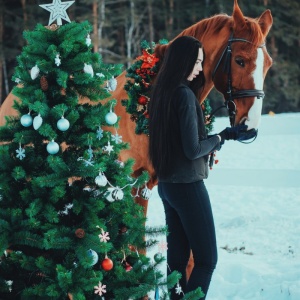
(255, 196)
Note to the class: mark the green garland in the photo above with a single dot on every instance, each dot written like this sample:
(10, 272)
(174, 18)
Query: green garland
(138, 86)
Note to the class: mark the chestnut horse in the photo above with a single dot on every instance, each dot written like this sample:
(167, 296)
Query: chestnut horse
(236, 63)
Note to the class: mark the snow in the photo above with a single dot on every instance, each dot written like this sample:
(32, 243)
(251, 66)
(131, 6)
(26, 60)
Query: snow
(255, 196)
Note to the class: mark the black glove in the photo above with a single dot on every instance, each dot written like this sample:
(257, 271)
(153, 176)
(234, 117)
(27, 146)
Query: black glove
(238, 132)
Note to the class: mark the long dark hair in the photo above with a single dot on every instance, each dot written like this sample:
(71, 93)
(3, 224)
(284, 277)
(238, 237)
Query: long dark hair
(177, 65)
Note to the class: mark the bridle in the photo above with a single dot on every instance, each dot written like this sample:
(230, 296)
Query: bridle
(229, 103)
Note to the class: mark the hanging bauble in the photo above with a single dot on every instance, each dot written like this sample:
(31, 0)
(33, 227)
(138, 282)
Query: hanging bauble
(80, 233)
(112, 84)
(146, 193)
(115, 193)
(143, 100)
(93, 254)
(26, 120)
(88, 69)
(123, 229)
(101, 179)
(37, 122)
(127, 266)
(34, 72)
(63, 124)
(111, 118)
(44, 83)
(52, 147)
(107, 264)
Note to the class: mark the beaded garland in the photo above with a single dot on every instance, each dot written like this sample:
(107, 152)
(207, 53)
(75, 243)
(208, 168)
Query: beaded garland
(141, 74)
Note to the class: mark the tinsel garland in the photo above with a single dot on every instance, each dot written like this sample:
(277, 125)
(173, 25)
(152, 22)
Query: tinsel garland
(141, 74)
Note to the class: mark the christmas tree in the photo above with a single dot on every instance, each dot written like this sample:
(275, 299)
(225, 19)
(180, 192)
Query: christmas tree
(69, 226)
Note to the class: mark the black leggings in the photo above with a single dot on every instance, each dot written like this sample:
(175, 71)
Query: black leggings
(191, 227)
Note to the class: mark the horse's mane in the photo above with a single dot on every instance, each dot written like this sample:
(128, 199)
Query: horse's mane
(212, 26)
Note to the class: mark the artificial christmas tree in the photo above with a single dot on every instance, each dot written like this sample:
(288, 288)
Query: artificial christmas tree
(69, 226)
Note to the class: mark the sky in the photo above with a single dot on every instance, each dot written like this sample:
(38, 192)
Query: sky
(255, 196)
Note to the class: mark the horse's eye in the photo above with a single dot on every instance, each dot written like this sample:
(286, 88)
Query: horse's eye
(240, 61)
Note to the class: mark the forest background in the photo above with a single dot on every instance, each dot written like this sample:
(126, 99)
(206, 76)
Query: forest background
(120, 25)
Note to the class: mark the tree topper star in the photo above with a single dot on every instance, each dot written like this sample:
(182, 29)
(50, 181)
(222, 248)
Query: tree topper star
(58, 11)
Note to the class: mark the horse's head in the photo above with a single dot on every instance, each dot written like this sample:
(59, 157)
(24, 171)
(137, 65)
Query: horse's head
(241, 65)
(236, 61)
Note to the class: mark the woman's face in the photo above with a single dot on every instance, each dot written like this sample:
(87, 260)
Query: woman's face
(198, 66)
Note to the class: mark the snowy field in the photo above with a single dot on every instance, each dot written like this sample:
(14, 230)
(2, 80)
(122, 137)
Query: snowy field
(255, 196)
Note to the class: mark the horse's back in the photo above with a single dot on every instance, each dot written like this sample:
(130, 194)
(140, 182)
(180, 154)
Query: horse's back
(7, 108)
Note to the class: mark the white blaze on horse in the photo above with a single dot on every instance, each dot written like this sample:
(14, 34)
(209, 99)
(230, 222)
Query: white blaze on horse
(236, 63)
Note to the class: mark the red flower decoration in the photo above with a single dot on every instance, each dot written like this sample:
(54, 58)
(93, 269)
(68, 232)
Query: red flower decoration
(149, 60)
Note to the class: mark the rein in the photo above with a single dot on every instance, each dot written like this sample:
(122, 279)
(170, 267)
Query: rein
(229, 99)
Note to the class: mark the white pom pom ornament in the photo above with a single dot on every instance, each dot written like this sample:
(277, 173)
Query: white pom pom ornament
(88, 69)
(34, 72)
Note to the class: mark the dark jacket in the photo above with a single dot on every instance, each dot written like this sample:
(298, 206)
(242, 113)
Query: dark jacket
(189, 139)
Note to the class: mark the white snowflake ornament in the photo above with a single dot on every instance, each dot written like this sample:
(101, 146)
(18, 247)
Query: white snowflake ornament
(88, 40)
(20, 153)
(108, 148)
(99, 133)
(57, 60)
(178, 289)
(88, 69)
(104, 236)
(100, 289)
(116, 138)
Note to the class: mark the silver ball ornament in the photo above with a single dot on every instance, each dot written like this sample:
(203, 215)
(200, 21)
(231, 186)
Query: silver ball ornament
(93, 254)
(26, 120)
(63, 124)
(52, 147)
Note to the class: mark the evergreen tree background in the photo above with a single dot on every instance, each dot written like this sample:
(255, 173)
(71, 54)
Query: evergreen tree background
(119, 26)
(69, 226)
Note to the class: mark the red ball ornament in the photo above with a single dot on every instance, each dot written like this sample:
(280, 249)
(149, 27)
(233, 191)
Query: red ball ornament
(107, 264)
(127, 267)
(142, 100)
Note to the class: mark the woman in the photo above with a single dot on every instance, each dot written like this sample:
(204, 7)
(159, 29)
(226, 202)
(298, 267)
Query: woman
(179, 150)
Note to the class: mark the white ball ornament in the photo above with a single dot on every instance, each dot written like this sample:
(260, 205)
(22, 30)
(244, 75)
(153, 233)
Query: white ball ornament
(111, 118)
(37, 122)
(63, 124)
(101, 179)
(26, 120)
(52, 147)
(115, 193)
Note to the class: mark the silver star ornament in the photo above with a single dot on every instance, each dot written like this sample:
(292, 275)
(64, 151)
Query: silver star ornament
(58, 11)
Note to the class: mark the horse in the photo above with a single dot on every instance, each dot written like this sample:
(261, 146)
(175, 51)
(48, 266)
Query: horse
(236, 64)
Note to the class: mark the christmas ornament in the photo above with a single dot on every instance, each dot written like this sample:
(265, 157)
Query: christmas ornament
(111, 118)
(80, 233)
(20, 153)
(44, 83)
(146, 193)
(88, 69)
(143, 100)
(90, 153)
(34, 72)
(178, 289)
(109, 148)
(104, 236)
(107, 264)
(26, 120)
(115, 193)
(99, 133)
(93, 254)
(116, 138)
(112, 84)
(156, 293)
(18, 80)
(88, 41)
(127, 266)
(57, 60)
(58, 11)
(101, 75)
(63, 124)
(123, 229)
(52, 147)
(37, 122)
(101, 179)
(100, 289)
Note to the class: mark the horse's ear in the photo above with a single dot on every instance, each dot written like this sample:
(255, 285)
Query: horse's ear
(238, 16)
(265, 22)
(160, 51)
